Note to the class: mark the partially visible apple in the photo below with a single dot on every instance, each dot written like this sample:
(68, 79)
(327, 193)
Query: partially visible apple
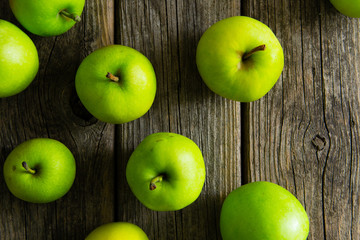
(263, 210)
(47, 17)
(116, 84)
(350, 8)
(239, 58)
(117, 231)
(19, 61)
(166, 172)
(40, 170)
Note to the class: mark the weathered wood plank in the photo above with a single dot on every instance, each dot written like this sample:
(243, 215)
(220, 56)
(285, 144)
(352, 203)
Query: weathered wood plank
(167, 32)
(12, 224)
(341, 91)
(49, 108)
(304, 134)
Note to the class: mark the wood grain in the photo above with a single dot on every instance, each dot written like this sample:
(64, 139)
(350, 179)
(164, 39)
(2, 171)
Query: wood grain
(167, 32)
(304, 134)
(49, 108)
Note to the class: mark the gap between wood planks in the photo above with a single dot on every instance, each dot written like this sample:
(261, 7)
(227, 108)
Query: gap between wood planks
(245, 138)
(245, 127)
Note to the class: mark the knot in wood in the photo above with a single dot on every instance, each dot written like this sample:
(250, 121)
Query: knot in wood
(319, 142)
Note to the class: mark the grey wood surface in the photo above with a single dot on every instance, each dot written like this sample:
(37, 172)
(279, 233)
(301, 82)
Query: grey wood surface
(167, 32)
(50, 108)
(302, 135)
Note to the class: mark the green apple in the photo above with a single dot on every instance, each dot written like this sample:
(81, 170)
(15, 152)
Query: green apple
(349, 8)
(116, 84)
(239, 58)
(19, 61)
(40, 170)
(263, 210)
(47, 17)
(166, 172)
(117, 231)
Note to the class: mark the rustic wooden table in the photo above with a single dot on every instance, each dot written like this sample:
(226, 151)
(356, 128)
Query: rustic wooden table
(303, 135)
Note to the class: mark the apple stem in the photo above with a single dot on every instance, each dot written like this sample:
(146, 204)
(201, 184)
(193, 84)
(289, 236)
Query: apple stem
(155, 180)
(73, 16)
(254, 50)
(112, 77)
(27, 168)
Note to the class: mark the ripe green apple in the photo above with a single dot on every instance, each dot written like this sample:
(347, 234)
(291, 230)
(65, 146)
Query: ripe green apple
(47, 17)
(263, 210)
(116, 84)
(117, 231)
(19, 61)
(40, 170)
(349, 8)
(166, 172)
(239, 58)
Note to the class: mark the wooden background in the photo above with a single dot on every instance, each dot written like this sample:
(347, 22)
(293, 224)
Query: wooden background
(303, 135)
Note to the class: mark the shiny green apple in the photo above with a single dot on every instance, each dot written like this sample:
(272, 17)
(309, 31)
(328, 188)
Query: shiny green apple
(19, 61)
(47, 17)
(40, 170)
(239, 58)
(117, 231)
(263, 210)
(166, 172)
(116, 84)
(349, 8)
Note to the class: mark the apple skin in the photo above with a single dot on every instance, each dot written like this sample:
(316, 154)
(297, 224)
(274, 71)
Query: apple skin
(220, 64)
(43, 18)
(19, 61)
(181, 163)
(350, 8)
(263, 210)
(117, 231)
(116, 102)
(54, 165)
